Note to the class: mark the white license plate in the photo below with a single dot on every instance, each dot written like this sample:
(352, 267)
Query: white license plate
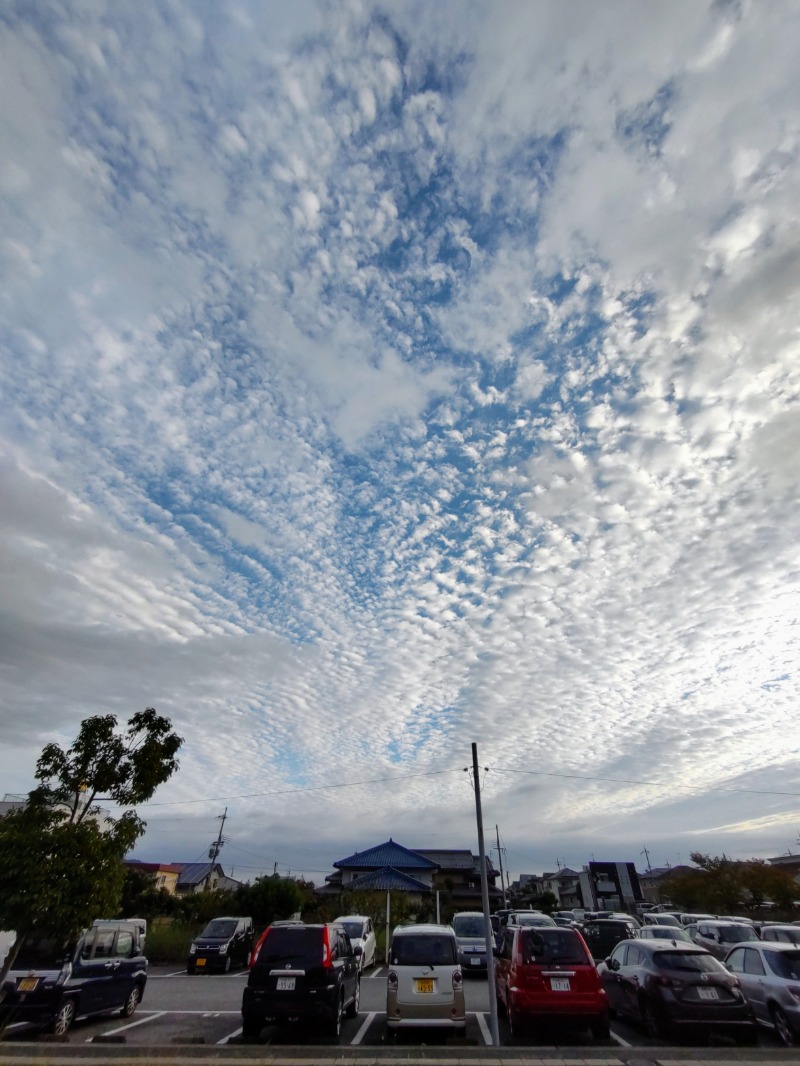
(475, 961)
(559, 984)
(707, 993)
(285, 984)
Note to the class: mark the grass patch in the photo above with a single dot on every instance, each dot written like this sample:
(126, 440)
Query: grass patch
(169, 942)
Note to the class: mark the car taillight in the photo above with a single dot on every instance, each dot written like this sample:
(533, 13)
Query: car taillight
(327, 961)
(257, 948)
(669, 982)
(392, 981)
(458, 980)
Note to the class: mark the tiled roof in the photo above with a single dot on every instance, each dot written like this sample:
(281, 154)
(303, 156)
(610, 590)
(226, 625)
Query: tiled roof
(387, 880)
(386, 854)
(449, 859)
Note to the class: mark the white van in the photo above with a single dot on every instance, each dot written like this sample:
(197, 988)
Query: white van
(425, 986)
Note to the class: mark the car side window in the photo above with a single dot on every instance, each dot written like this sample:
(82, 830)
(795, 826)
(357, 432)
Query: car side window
(124, 944)
(619, 955)
(86, 947)
(752, 962)
(104, 944)
(735, 961)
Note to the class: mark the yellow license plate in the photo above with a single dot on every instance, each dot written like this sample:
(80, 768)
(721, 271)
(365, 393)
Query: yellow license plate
(201, 962)
(28, 984)
(425, 985)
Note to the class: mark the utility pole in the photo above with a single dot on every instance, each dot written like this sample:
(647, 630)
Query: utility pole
(646, 854)
(502, 875)
(487, 922)
(216, 847)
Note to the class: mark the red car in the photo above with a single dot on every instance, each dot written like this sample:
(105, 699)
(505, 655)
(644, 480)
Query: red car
(544, 974)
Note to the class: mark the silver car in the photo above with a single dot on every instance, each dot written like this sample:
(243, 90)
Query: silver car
(783, 934)
(425, 986)
(719, 937)
(770, 978)
(470, 930)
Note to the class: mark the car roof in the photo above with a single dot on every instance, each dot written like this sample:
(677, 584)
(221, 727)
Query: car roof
(428, 929)
(352, 918)
(770, 945)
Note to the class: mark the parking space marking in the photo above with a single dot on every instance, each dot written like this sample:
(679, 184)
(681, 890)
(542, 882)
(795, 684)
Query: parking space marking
(230, 1036)
(378, 973)
(367, 1023)
(619, 1039)
(160, 976)
(139, 1021)
(484, 1028)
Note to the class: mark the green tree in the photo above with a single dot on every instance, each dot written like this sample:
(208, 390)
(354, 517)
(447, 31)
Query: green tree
(721, 882)
(269, 899)
(60, 865)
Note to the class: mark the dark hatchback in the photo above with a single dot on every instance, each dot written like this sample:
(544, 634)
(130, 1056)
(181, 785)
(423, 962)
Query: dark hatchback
(301, 972)
(52, 982)
(670, 985)
(223, 944)
(603, 934)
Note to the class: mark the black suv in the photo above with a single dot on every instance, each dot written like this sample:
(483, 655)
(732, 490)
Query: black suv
(301, 972)
(52, 982)
(223, 944)
(603, 934)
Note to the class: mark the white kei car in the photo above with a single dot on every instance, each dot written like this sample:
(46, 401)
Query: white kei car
(362, 934)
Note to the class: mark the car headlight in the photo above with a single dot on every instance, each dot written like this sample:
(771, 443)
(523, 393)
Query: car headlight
(193, 949)
(223, 949)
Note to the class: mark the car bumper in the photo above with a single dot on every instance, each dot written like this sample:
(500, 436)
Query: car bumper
(471, 962)
(589, 1005)
(402, 1015)
(203, 961)
(262, 1005)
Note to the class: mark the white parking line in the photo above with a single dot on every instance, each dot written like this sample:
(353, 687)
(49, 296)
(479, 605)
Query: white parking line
(140, 1021)
(367, 1023)
(484, 1028)
(230, 1036)
(619, 1040)
(380, 972)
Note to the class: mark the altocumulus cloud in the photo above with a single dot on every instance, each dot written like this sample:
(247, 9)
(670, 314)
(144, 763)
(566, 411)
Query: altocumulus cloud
(379, 379)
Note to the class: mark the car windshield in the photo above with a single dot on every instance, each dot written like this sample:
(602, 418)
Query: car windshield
(468, 925)
(424, 950)
(548, 946)
(355, 930)
(784, 964)
(42, 953)
(688, 961)
(667, 919)
(735, 934)
(663, 932)
(220, 928)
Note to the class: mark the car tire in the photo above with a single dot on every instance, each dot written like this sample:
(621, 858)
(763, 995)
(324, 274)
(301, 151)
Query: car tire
(336, 1020)
(190, 968)
(515, 1026)
(352, 1009)
(501, 1007)
(782, 1027)
(600, 1028)
(653, 1022)
(63, 1020)
(131, 1003)
(226, 966)
(251, 1030)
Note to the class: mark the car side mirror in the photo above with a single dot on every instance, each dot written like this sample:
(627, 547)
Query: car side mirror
(358, 950)
(612, 964)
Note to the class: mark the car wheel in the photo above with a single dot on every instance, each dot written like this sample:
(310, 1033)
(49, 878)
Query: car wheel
(226, 966)
(132, 1002)
(600, 1028)
(64, 1019)
(251, 1030)
(501, 1007)
(652, 1020)
(352, 1010)
(515, 1026)
(190, 968)
(336, 1020)
(782, 1027)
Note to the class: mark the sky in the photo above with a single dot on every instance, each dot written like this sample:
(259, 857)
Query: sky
(376, 380)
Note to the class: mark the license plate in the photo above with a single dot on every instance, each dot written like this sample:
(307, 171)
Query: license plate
(200, 962)
(475, 961)
(559, 984)
(425, 985)
(28, 984)
(285, 984)
(707, 993)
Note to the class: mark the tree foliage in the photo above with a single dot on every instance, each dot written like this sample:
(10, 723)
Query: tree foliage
(60, 865)
(722, 886)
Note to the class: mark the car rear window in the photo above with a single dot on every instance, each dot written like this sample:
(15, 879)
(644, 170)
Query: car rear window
(355, 930)
(549, 946)
(784, 964)
(735, 934)
(688, 961)
(424, 950)
(288, 947)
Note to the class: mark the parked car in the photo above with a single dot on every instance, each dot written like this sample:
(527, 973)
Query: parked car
(529, 918)
(603, 934)
(361, 931)
(785, 934)
(692, 919)
(661, 919)
(770, 978)
(53, 982)
(544, 973)
(719, 937)
(665, 932)
(470, 930)
(223, 944)
(666, 985)
(301, 972)
(425, 985)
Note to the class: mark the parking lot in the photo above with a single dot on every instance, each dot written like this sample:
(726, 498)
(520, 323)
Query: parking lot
(205, 1009)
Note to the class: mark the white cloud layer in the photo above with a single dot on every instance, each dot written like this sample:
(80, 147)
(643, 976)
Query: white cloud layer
(380, 379)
